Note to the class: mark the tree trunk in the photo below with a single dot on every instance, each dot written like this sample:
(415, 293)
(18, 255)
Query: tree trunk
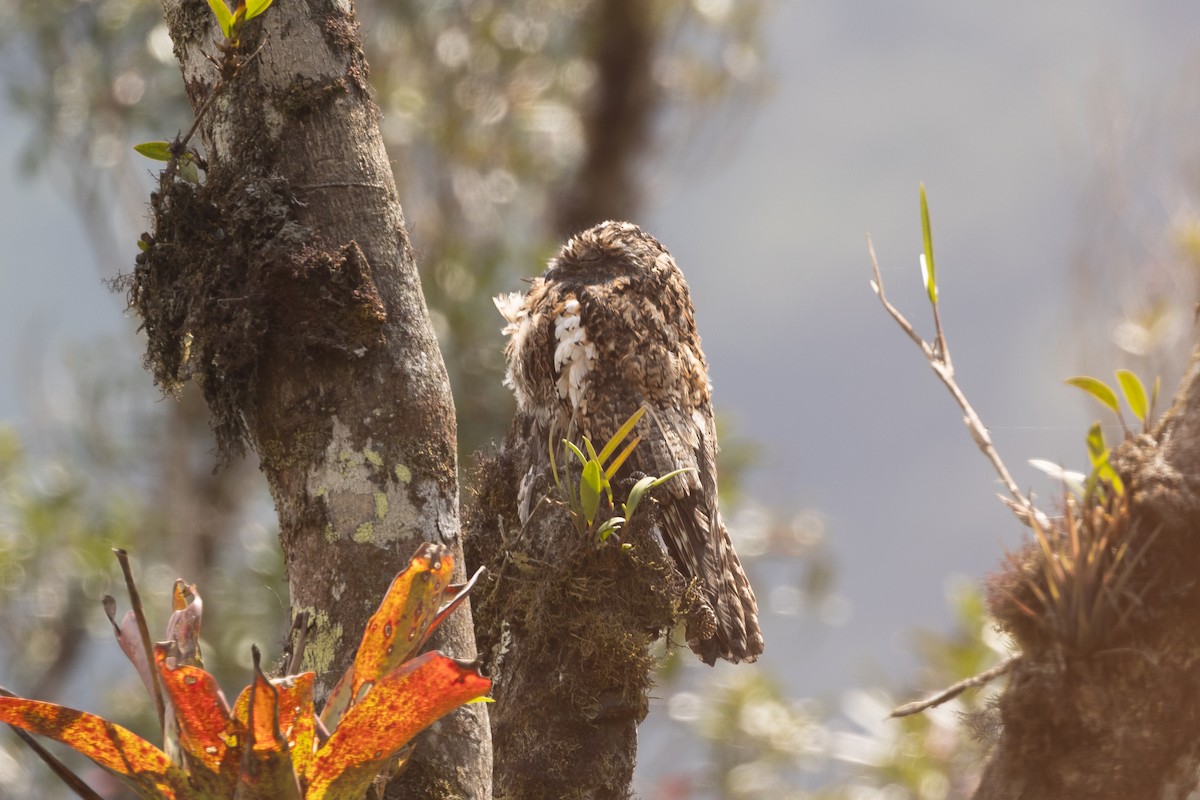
(1105, 701)
(285, 285)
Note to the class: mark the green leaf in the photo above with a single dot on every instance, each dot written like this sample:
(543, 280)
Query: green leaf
(927, 268)
(143, 245)
(1097, 449)
(159, 151)
(1135, 393)
(578, 453)
(646, 484)
(590, 487)
(1097, 389)
(621, 433)
(224, 17)
(1106, 472)
(612, 468)
(610, 526)
(635, 495)
(256, 7)
(188, 171)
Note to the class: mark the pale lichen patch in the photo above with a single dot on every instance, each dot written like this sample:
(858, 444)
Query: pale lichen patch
(324, 641)
(367, 502)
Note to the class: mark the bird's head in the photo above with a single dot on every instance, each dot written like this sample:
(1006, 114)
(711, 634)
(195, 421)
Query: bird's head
(607, 251)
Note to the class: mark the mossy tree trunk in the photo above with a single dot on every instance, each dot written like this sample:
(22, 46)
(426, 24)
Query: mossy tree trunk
(285, 285)
(566, 628)
(1104, 701)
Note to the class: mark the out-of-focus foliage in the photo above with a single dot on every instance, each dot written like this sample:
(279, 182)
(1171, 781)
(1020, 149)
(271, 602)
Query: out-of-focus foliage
(1137, 266)
(109, 471)
(763, 742)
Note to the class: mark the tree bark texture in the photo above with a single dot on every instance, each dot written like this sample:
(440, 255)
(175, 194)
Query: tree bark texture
(285, 286)
(565, 627)
(1105, 702)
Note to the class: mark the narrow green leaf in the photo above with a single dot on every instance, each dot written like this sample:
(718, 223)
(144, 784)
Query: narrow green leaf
(578, 453)
(620, 459)
(1135, 393)
(669, 475)
(1097, 389)
(256, 7)
(224, 17)
(635, 495)
(610, 526)
(143, 245)
(928, 271)
(646, 484)
(621, 433)
(1106, 472)
(591, 451)
(589, 490)
(1097, 449)
(159, 151)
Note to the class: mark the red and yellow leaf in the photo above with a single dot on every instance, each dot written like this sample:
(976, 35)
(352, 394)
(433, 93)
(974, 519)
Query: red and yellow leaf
(266, 772)
(208, 734)
(297, 719)
(398, 629)
(146, 769)
(402, 704)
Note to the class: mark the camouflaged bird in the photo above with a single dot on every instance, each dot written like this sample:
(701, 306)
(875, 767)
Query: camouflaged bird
(608, 328)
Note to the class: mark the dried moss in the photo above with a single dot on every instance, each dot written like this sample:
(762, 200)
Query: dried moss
(231, 278)
(1115, 718)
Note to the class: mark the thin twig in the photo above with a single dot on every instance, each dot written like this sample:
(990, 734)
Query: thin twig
(938, 356)
(178, 147)
(135, 602)
(64, 773)
(301, 628)
(917, 706)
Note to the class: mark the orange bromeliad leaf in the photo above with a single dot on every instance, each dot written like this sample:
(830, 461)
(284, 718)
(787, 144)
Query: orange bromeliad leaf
(397, 629)
(266, 772)
(144, 767)
(297, 719)
(208, 736)
(400, 705)
(265, 747)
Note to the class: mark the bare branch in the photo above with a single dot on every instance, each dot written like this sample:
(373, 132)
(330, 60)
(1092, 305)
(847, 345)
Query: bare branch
(135, 601)
(951, 692)
(938, 356)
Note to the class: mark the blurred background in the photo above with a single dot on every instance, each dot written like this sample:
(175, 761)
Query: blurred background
(760, 140)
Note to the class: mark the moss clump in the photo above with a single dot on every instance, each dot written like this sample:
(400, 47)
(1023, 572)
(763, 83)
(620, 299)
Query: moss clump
(230, 278)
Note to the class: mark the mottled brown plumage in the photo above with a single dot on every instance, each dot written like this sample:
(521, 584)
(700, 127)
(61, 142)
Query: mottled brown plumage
(610, 327)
